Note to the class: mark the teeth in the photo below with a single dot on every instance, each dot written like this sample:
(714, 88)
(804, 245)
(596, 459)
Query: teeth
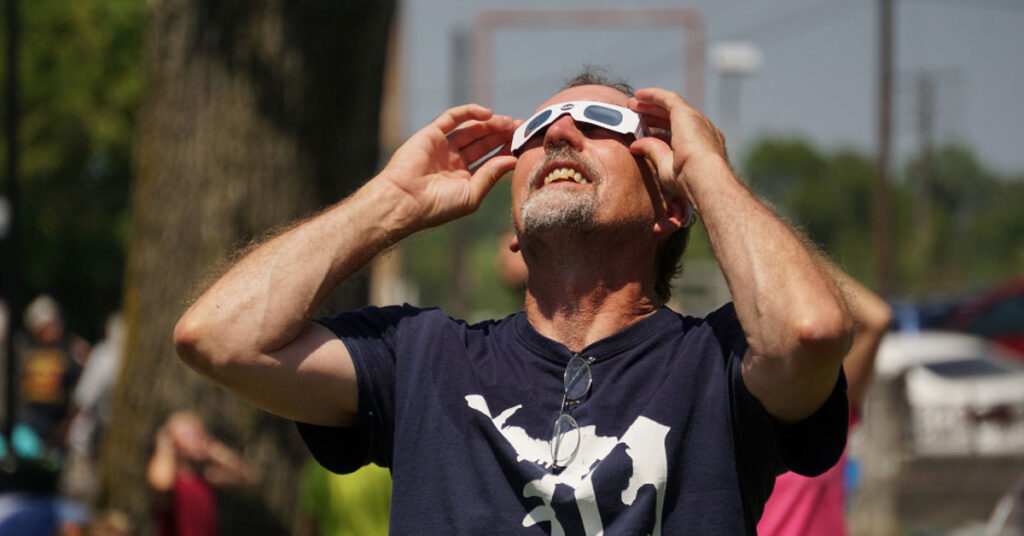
(565, 174)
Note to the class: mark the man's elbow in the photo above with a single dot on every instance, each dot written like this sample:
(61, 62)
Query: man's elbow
(827, 334)
(191, 337)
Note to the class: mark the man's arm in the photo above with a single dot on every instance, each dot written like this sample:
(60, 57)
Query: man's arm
(251, 331)
(793, 314)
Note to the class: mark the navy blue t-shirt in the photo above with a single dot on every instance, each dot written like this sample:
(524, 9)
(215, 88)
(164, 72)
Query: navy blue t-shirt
(671, 440)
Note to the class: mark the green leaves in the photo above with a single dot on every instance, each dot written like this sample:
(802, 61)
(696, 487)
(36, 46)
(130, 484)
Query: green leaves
(956, 224)
(79, 83)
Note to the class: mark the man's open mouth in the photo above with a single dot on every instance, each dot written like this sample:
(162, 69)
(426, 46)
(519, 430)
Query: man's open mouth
(565, 174)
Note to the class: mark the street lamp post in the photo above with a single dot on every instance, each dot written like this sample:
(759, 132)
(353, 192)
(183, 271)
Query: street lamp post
(733, 60)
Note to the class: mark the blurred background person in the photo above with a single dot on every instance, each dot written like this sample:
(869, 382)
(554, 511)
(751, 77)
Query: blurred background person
(50, 363)
(801, 506)
(356, 504)
(187, 468)
(511, 268)
(110, 523)
(92, 410)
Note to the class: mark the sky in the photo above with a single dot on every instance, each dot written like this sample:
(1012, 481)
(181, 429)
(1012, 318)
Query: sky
(818, 77)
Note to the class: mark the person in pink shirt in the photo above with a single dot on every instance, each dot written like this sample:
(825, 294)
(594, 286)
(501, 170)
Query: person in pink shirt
(801, 506)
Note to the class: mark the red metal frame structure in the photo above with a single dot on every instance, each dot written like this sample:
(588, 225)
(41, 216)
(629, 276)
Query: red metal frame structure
(487, 22)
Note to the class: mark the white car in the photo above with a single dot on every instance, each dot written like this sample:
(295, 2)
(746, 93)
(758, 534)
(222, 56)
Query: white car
(965, 395)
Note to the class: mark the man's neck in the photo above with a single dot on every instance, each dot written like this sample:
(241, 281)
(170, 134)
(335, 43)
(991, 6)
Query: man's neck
(581, 292)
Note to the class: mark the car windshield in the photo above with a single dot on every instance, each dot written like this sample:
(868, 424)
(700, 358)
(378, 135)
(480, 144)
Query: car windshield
(968, 368)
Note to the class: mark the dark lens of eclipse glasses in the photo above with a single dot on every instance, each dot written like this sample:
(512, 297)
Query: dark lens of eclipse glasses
(603, 115)
(536, 122)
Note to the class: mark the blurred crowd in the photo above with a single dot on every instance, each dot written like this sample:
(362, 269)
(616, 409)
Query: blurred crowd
(62, 405)
(50, 466)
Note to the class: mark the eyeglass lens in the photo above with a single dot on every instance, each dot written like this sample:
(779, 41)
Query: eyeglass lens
(565, 438)
(577, 378)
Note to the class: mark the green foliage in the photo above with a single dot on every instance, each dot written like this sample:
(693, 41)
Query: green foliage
(430, 263)
(956, 225)
(79, 88)
(826, 195)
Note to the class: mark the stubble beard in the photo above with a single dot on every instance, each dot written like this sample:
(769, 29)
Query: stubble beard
(557, 208)
(550, 208)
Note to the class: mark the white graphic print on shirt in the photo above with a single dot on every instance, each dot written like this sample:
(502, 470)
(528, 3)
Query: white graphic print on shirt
(644, 445)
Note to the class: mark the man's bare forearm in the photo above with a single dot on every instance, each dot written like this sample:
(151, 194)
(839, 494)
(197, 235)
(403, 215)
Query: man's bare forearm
(784, 296)
(269, 296)
(793, 313)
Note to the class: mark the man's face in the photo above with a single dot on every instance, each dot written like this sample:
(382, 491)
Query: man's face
(579, 176)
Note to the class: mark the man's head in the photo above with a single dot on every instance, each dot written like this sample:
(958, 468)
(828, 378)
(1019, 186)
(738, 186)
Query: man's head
(577, 176)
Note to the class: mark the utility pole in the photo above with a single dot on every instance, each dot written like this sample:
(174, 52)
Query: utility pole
(883, 201)
(926, 82)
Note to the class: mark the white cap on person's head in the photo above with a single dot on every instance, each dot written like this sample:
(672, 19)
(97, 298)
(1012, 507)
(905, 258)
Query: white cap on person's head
(43, 310)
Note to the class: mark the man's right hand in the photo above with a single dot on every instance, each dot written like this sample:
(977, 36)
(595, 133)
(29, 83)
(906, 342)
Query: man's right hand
(433, 166)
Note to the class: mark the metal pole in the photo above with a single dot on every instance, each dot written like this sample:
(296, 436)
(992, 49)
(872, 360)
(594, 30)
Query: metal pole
(883, 211)
(729, 109)
(922, 184)
(11, 256)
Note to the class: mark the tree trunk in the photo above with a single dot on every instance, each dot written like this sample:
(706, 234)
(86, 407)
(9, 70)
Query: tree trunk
(253, 114)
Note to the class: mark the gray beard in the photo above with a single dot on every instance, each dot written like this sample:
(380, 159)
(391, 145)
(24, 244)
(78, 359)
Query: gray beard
(548, 209)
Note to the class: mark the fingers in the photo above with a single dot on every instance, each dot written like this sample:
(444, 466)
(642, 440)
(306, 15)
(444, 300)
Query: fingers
(657, 105)
(454, 117)
(668, 100)
(481, 147)
(654, 116)
(487, 175)
(657, 151)
(662, 158)
(470, 131)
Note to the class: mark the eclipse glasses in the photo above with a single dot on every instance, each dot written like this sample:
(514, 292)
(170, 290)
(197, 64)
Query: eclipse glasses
(607, 116)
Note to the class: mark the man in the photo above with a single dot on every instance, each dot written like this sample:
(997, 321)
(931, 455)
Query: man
(596, 409)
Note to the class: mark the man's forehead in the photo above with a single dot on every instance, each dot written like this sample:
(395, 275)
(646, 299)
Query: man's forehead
(591, 93)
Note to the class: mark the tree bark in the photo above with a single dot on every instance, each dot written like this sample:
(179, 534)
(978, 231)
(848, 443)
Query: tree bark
(253, 114)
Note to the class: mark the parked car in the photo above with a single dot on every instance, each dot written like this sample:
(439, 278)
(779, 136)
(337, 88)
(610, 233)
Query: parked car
(965, 394)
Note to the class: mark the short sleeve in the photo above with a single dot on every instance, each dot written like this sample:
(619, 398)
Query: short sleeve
(808, 447)
(764, 446)
(369, 334)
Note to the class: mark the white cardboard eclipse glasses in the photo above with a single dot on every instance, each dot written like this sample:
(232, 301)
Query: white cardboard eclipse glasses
(602, 114)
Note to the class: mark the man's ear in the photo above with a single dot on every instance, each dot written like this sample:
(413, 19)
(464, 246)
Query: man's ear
(677, 214)
(513, 246)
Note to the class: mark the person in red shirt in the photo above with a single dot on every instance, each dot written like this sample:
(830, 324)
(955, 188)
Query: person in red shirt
(187, 467)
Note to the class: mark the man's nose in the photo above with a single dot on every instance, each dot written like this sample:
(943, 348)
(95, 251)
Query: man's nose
(564, 132)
